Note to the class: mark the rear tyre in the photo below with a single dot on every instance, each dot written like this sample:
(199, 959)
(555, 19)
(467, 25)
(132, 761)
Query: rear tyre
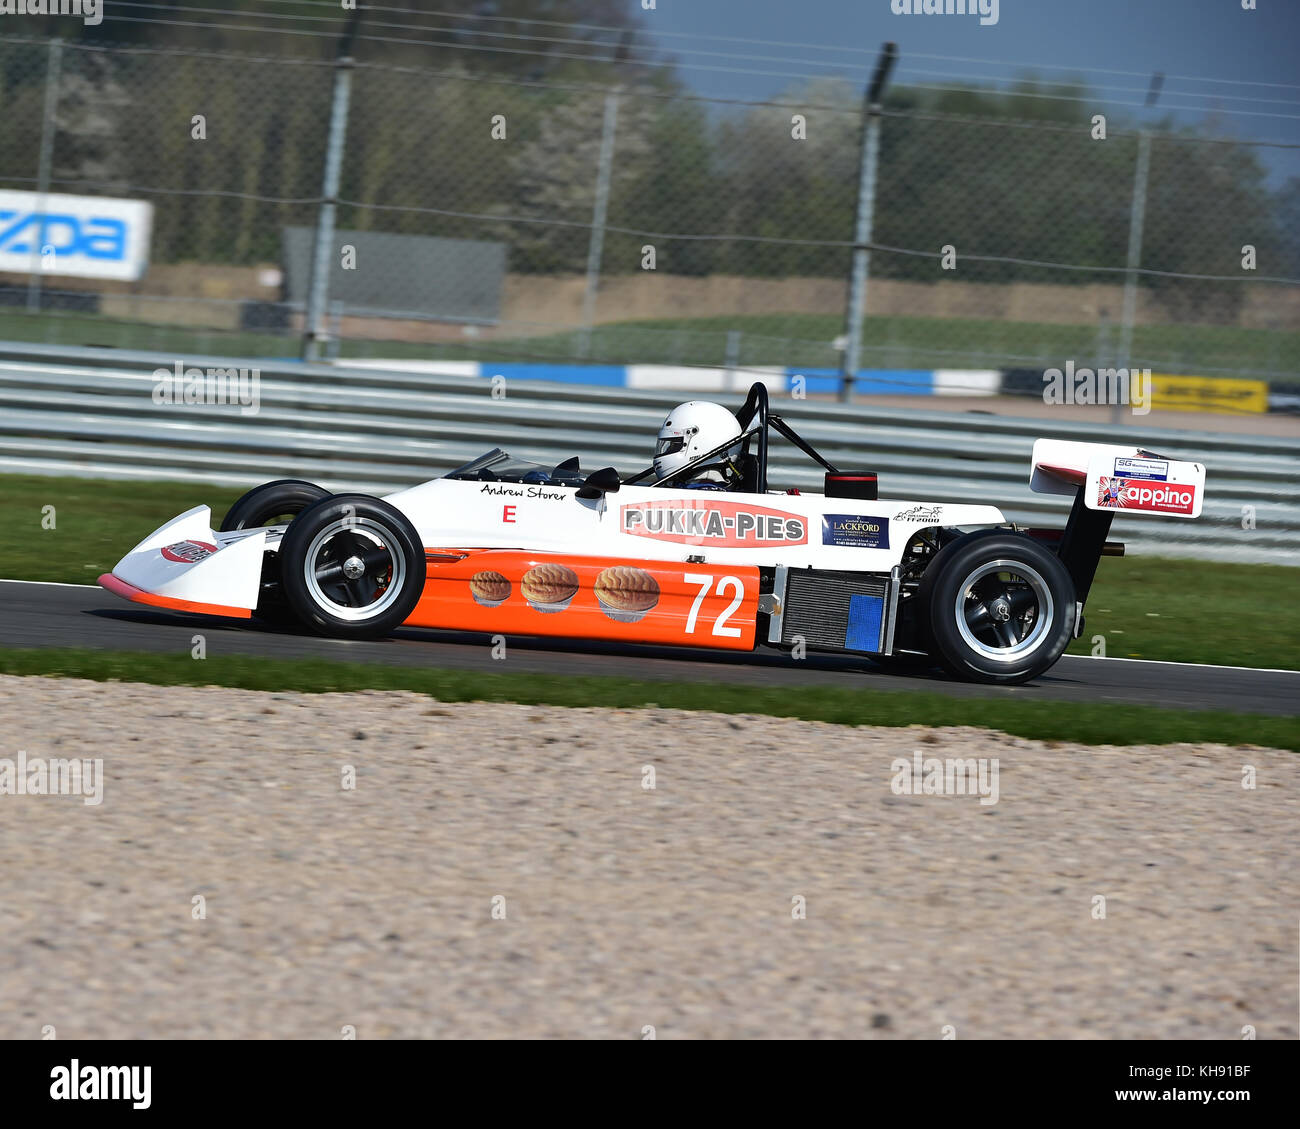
(351, 567)
(998, 607)
(272, 503)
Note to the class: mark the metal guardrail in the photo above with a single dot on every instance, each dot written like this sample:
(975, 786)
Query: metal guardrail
(90, 412)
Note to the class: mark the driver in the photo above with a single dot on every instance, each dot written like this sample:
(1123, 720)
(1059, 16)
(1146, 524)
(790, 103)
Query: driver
(691, 430)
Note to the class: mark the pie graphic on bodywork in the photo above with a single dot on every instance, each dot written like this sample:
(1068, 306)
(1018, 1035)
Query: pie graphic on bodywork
(489, 588)
(550, 587)
(626, 593)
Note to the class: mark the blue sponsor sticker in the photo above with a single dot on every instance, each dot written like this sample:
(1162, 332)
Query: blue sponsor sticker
(1154, 469)
(855, 531)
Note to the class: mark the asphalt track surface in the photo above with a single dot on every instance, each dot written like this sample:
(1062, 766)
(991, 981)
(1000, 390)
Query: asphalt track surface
(53, 615)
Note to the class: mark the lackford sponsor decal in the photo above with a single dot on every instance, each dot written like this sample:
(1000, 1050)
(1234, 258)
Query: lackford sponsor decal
(1155, 469)
(188, 552)
(856, 531)
(732, 524)
(1127, 494)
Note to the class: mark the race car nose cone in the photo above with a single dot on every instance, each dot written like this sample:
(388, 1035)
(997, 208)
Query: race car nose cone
(355, 566)
(999, 610)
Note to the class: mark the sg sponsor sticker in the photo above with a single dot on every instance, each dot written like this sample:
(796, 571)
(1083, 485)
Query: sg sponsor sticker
(1154, 469)
(855, 531)
(735, 525)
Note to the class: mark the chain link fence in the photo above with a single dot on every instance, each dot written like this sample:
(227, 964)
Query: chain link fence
(634, 224)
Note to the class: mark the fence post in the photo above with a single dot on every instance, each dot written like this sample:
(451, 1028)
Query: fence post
(1105, 355)
(596, 246)
(335, 341)
(48, 127)
(1136, 222)
(315, 329)
(863, 220)
(732, 362)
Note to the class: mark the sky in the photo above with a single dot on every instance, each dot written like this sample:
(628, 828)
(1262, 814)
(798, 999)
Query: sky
(1191, 41)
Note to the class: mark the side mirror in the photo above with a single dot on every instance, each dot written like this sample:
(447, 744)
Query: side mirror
(599, 483)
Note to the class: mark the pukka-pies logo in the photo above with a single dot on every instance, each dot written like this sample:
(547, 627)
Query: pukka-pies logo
(735, 525)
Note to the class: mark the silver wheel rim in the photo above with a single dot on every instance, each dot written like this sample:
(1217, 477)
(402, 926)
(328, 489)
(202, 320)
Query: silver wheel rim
(345, 593)
(1004, 610)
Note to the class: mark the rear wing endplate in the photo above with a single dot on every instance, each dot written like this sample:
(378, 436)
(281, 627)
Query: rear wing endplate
(1105, 480)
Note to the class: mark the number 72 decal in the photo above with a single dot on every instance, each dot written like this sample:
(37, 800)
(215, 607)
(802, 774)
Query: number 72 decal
(725, 584)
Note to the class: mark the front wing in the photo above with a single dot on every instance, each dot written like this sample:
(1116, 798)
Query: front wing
(187, 566)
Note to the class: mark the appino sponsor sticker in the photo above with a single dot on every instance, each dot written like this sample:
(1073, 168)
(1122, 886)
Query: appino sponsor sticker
(705, 522)
(1146, 496)
(855, 531)
(1153, 486)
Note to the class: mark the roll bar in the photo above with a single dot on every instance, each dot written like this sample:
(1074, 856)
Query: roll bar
(756, 407)
(754, 417)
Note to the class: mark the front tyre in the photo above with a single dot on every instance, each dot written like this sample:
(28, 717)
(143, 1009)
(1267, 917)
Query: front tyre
(998, 607)
(272, 503)
(351, 567)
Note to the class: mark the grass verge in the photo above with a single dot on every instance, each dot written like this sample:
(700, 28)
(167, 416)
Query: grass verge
(795, 340)
(1194, 612)
(1087, 723)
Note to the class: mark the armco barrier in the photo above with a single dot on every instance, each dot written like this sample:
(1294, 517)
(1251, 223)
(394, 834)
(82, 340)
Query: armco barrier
(91, 412)
(1168, 392)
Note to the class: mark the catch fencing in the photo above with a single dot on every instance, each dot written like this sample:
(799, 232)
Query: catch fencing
(636, 223)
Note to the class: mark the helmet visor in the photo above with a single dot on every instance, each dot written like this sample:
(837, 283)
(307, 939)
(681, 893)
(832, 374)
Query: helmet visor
(669, 445)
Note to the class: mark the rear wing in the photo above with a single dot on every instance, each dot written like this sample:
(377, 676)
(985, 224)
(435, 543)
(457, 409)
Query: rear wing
(1104, 480)
(1118, 478)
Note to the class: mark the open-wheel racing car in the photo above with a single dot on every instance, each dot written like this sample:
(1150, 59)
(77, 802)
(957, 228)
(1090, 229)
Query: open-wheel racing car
(505, 546)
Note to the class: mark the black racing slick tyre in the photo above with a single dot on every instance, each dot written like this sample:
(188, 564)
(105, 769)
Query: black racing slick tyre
(997, 607)
(267, 504)
(352, 567)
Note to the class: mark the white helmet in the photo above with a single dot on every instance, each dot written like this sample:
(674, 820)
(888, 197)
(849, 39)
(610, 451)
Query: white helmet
(691, 430)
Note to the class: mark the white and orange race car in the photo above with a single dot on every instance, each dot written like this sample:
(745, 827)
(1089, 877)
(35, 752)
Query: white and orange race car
(505, 546)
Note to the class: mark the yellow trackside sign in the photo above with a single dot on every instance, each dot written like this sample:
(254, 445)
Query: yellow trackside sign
(1207, 394)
